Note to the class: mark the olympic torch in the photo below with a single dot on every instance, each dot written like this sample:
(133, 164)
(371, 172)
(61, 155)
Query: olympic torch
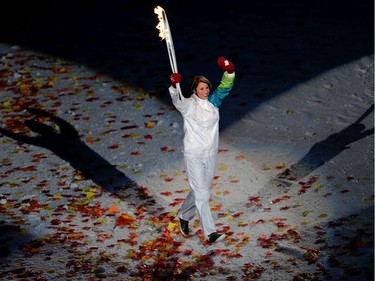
(165, 34)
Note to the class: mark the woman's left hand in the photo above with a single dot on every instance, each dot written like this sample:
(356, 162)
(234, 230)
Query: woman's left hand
(226, 65)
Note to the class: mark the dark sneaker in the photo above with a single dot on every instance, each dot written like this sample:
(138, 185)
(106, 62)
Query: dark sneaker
(215, 237)
(184, 227)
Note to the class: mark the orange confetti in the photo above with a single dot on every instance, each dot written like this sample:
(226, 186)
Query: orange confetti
(115, 146)
(216, 208)
(124, 219)
(151, 124)
(166, 193)
(91, 140)
(167, 235)
(113, 210)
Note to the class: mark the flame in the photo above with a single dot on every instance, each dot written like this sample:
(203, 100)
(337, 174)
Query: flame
(161, 25)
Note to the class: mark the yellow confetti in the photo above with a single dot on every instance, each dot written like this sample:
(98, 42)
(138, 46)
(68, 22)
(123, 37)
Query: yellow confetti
(57, 196)
(138, 105)
(280, 165)
(368, 199)
(103, 221)
(172, 227)
(6, 103)
(183, 190)
(123, 167)
(289, 111)
(150, 124)
(223, 168)
(281, 229)
(52, 81)
(305, 213)
(90, 193)
(38, 83)
(266, 167)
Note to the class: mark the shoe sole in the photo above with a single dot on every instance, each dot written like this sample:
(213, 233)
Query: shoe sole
(221, 238)
(183, 233)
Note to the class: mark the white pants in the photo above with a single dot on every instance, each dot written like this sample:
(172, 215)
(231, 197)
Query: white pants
(200, 172)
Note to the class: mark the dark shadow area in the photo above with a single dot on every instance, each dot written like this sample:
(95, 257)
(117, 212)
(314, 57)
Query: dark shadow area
(13, 240)
(10, 233)
(348, 244)
(350, 247)
(66, 144)
(62, 139)
(273, 44)
(343, 248)
(324, 151)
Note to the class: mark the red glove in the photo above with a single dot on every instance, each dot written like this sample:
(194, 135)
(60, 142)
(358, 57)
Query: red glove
(175, 78)
(226, 65)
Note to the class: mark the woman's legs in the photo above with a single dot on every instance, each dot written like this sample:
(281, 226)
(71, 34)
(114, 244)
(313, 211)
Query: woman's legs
(187, 211)
(200, 172)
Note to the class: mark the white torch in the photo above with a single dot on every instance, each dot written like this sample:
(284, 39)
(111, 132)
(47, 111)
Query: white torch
(165, 33)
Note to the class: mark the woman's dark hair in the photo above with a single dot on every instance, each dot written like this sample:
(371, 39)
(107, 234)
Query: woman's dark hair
(197, 80)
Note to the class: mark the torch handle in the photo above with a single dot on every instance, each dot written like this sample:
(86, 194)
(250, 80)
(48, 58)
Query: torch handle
(170, 48)
(169, 42)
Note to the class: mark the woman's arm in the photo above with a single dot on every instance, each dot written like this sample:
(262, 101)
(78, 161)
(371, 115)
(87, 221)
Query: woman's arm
(224, 88)
(178, 99)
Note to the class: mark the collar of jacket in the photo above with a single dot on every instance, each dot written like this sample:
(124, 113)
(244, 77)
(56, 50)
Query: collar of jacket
(201, 102)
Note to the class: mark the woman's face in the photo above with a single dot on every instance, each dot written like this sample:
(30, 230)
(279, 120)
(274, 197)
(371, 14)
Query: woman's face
(202, 90)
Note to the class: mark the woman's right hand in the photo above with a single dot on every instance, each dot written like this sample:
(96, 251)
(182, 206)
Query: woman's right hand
(175, 79)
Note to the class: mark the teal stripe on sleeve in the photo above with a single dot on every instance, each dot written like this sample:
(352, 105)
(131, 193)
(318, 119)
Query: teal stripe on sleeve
(219, 94)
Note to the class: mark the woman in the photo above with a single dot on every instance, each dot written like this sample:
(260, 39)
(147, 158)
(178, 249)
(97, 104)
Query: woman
(201, 128)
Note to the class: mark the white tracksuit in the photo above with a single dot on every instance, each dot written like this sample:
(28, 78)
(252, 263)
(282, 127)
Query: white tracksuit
(201, 128)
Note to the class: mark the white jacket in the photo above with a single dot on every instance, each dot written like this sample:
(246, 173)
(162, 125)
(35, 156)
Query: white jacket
(201, 124)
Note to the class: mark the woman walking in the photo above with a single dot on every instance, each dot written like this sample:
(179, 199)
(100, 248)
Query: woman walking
(201, 136)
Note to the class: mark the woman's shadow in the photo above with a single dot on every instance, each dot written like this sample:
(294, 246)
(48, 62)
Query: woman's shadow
(323, 151)
(66, 144)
